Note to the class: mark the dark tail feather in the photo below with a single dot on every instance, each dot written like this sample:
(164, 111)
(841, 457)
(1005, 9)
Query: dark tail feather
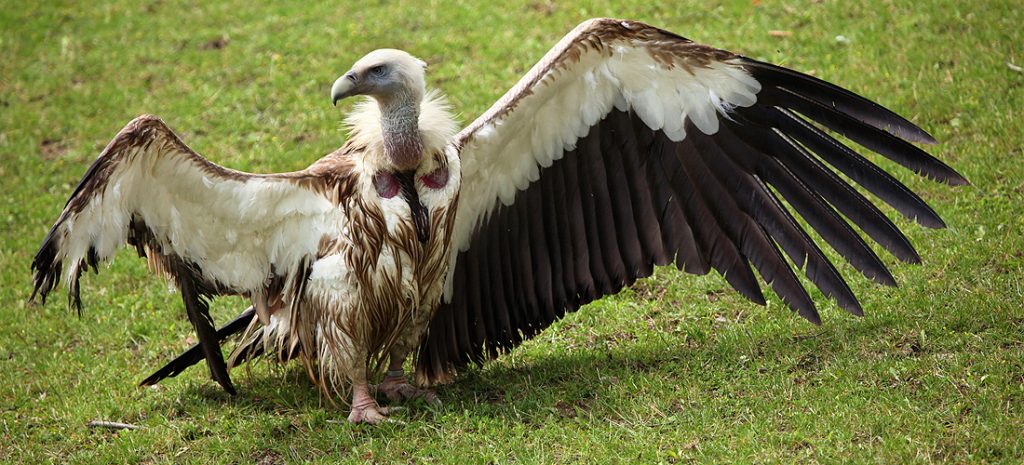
(194, 354)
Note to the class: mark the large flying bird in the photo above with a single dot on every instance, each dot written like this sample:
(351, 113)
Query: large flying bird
(624, 148)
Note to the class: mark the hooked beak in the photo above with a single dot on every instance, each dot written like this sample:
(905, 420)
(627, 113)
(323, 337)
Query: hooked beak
(344, 87)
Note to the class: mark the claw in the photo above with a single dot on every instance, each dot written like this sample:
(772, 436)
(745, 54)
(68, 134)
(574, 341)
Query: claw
(369, 414)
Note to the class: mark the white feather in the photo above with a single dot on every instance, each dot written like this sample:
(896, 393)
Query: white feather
(220, 224)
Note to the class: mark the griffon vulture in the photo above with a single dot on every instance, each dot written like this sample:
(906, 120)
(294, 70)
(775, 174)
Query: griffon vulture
(624, 148)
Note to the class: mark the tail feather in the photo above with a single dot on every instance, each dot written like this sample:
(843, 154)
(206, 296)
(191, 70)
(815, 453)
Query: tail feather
(194, 354)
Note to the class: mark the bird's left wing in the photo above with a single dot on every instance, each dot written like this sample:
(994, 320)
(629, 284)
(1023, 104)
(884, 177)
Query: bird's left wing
(626, 147)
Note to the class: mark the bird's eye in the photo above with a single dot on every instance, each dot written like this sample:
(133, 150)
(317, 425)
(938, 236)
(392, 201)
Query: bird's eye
(378, 70)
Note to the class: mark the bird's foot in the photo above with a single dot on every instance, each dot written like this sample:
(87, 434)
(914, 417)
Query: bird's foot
(397, 388)
(365, 408)
(372, 414)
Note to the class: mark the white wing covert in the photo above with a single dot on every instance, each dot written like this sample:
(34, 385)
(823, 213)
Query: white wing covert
(233, 226)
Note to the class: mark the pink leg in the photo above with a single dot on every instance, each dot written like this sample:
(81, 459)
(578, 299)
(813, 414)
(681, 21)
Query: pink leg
(364, 406)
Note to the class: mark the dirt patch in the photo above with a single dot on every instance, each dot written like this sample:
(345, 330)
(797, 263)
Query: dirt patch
(268, 457)
(52, 149)
(216, 43)
(572, 409)
(545, 8)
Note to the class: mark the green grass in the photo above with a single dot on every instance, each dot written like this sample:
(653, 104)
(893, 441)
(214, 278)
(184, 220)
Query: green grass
(678, 369)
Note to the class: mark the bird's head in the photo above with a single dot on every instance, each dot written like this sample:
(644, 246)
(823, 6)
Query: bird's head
(387, 75)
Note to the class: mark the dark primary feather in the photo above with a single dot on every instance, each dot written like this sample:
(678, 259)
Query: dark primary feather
(877, 134)
(734, 167)
(46, 269)
(249, 348)
(856, 167)
(627, 198)
(842, 100)
(796, 162)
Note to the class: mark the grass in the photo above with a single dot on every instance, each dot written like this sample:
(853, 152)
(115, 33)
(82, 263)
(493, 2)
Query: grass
(678, 369)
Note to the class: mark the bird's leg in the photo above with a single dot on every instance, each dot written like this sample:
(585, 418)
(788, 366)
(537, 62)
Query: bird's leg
(397, 387)
(364, 406)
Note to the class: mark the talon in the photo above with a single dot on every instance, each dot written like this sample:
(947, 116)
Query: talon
(370, 414)
(365, 408)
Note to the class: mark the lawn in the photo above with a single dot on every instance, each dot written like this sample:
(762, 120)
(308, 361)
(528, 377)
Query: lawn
(676, 369)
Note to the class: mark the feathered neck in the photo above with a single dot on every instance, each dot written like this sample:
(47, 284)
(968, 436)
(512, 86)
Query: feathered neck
(400, 131)
(366, 122)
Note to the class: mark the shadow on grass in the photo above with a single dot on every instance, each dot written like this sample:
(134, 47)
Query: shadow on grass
(594, 382)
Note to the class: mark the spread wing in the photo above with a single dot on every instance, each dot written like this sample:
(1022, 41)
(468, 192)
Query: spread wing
(627, 147)
(211, 229)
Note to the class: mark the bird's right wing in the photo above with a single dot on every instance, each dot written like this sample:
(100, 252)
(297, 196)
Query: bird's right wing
(213, 230)
(149, 190)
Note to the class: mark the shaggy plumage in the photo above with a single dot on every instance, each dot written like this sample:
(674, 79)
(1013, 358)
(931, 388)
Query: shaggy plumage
(624, 148)
(339, 273)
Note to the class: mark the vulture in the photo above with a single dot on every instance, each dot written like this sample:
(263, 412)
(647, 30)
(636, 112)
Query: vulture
(626, 147)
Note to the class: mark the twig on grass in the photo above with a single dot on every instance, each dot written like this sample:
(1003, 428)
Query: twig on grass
(111, 425)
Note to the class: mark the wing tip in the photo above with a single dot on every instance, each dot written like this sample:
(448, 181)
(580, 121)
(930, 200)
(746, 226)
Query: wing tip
(852, 306)
(958, 180)
(884, 278)
(46, 269)
(840, 99)
(930, 222)
(938, 171)
(811, 315)
(925, 137)
(908, 131)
